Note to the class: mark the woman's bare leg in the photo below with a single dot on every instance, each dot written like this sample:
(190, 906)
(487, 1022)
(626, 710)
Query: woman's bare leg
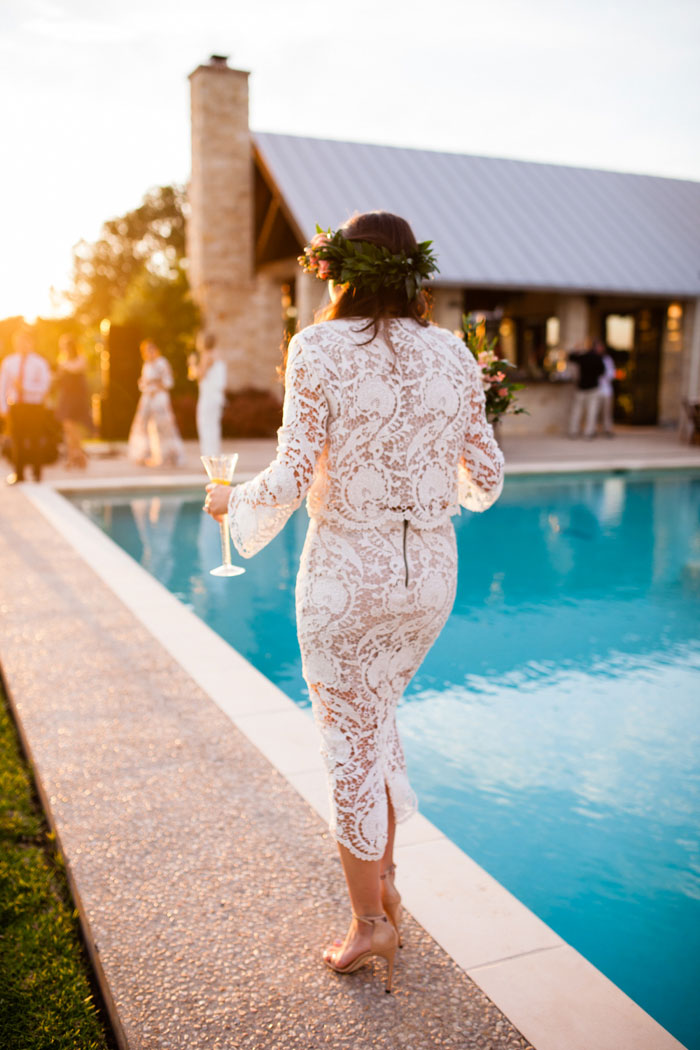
(74, 449)
(387, 860)
(364, 887)
(362, 878)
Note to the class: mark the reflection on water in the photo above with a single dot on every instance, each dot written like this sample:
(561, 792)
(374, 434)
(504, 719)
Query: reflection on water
(553, 729)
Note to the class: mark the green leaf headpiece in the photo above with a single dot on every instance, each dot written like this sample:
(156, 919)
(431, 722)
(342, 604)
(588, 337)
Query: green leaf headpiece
(367, 266)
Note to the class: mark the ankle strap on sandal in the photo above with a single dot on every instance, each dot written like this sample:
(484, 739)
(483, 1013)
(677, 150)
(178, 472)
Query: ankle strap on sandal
(371, 920)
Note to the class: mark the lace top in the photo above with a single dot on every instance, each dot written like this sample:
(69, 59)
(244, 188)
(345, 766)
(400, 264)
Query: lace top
(156, 375)
(372, 432)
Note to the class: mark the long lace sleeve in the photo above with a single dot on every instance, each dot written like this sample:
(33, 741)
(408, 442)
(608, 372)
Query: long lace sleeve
(481, 465)
(259, 508)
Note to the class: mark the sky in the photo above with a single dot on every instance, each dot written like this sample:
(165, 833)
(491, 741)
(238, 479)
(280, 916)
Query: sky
(95, 96)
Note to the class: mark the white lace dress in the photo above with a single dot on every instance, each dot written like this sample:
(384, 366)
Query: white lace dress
(386, 440)
(154, 436)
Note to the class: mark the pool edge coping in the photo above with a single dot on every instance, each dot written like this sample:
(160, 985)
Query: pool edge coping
(623, 463)
(488, 932)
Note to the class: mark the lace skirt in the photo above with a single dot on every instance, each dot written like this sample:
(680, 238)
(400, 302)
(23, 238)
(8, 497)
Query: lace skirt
(154, 436)
(369, 606)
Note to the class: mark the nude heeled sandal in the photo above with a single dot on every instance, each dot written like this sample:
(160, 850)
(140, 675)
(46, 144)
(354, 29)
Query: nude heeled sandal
(391, 900)
(383, 943)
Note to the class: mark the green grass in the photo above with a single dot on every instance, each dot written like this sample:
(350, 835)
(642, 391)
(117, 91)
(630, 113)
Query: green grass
(46, 997)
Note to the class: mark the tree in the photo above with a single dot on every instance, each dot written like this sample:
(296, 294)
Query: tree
(150, 238)
(8, 326)
(135, 274)
(162, 309)
(47, 331)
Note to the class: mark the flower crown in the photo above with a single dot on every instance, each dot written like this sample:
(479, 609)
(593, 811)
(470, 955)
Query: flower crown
(361, 264)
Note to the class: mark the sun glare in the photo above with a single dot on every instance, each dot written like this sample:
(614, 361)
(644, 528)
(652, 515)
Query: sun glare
(32, 282)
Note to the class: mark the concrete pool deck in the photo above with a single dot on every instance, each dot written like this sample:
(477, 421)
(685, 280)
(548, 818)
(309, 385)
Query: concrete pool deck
(185, 790)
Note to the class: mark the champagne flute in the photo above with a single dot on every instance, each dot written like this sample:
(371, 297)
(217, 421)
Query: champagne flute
(220, 470)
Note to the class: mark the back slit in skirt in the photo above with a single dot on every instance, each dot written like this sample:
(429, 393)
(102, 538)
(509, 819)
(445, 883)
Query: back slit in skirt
(370, 603)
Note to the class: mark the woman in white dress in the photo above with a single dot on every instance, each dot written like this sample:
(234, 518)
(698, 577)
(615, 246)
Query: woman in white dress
(606, 393)
(209, 371)
(384, 431)
(154, 439)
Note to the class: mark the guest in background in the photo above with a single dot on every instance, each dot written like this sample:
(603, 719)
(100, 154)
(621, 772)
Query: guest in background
(72, 400)
(604, 411)
(25, 378)
(585, 403)
(209, 370)
(154, 439)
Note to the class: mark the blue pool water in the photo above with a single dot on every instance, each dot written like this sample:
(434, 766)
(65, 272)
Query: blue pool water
(553, 730)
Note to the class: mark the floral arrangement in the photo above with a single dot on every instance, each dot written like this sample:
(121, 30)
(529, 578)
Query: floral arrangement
(499, 389)
(330, 256)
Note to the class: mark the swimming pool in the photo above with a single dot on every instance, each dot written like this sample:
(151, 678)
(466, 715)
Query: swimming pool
(553, 730)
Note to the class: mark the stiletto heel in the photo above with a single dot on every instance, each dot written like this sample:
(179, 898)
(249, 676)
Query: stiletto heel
(391, 900)
(383, 943)
(389, 970)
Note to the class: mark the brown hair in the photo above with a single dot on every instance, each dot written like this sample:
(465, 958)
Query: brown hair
(144, 345)
(387, 231)
(66, 344)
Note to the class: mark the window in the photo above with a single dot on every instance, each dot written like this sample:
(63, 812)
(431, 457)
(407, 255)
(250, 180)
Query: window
(619, 331)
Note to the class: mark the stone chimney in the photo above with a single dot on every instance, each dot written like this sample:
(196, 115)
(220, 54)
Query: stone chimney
(220, 225)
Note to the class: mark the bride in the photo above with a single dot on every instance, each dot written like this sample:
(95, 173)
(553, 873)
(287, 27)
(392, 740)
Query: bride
(384, 432)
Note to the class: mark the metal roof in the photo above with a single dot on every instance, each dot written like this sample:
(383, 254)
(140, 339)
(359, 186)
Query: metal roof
(503, 223)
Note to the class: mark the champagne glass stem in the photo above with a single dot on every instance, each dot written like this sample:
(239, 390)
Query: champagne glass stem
(225, 541)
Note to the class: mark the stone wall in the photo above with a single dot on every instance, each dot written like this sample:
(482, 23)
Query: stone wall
(548, 406)
(448, 307)
(311, 294)
(242, 309)
(671, 367)
(691, 338)
(574, 321)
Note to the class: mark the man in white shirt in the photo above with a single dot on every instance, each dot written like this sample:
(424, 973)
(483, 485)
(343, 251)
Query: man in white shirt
(25, 378)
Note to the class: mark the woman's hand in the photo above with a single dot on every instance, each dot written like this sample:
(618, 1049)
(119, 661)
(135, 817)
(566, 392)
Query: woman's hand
(216, 503)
